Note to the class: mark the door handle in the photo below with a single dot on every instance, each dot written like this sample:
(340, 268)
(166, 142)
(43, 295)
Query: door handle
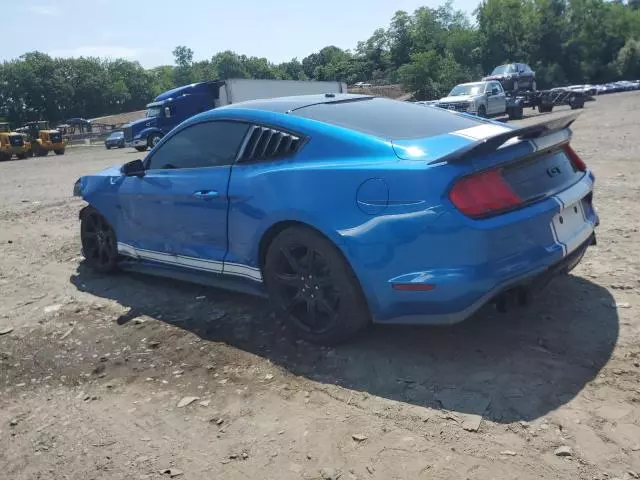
(205, 194)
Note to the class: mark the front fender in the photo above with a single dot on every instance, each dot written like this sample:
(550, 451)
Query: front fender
(148, 131)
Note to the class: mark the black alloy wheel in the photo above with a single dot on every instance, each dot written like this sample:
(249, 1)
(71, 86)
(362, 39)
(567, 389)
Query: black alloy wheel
(313, 287)
(306, 288)
(99, 244)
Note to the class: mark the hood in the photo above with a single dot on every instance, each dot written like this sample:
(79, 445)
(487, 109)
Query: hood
(112, 171)
(143, 122)
(459, 98)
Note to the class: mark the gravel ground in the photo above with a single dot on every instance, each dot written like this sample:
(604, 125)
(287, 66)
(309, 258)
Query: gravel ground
(95, 371)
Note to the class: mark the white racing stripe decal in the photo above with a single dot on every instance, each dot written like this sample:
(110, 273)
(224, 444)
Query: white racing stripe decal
(243, 271)
(200, 264)
(480, 132)
(575, 193)
(548, 141)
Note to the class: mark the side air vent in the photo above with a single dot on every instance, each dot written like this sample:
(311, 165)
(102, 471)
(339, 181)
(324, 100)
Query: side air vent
(267, 143)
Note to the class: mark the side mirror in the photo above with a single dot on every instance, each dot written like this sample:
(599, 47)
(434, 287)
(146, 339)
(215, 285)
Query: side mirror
(167, 112)
(134, 168)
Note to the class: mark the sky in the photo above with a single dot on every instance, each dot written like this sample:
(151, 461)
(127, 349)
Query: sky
(148, 30)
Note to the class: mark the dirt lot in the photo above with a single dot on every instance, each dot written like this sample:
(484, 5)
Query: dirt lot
(94, 370)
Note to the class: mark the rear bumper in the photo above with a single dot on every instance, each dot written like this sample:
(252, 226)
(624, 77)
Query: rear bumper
(516, 289)
(483, 260)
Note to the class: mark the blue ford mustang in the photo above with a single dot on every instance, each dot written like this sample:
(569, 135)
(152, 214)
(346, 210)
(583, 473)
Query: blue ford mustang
(347, 209)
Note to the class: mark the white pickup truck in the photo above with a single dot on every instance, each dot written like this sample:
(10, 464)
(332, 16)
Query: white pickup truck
(485, 99)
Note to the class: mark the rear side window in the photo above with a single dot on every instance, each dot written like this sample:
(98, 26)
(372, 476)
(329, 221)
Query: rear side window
(388, 119)
(201, 145)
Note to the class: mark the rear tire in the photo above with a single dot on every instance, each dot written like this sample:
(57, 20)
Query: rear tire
(59, 152)
(515, 113)
(312, 287)
(99, 244)
(42, 152)
(577, 102)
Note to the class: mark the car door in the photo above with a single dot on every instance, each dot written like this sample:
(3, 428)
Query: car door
(500, 99)
(521, 76)
(176, 213)
(530, 75)
(493, 100)
(491, 103)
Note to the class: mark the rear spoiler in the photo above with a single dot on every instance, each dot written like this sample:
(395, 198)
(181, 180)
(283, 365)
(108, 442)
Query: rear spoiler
(491, 144)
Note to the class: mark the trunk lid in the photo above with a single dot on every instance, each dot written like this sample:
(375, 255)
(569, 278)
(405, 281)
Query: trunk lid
(533, 160)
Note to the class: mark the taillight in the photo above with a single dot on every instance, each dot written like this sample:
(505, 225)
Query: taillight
(484, 194)
(577, 162)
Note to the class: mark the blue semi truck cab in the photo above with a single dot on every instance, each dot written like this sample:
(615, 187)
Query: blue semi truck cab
(174, 106)
(168, 110)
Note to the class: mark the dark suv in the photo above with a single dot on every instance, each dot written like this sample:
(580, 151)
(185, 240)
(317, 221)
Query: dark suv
(514, 77)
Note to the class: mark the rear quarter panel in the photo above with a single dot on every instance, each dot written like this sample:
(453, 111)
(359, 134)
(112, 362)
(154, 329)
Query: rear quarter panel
(322, 186)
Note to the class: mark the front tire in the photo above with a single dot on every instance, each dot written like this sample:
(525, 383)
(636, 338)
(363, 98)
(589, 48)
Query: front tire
(99, 245)
(313, 288)
(153, 140)
(482, 111)
(141, 149)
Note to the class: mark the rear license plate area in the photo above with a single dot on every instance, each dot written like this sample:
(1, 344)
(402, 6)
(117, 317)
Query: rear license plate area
(569, 223)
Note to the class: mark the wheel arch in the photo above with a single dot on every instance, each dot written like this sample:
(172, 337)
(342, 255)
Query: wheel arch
(272, 232)
(148, 131)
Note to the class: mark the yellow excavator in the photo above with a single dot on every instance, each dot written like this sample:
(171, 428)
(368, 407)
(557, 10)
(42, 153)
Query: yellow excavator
(43, 139)
(12, 143)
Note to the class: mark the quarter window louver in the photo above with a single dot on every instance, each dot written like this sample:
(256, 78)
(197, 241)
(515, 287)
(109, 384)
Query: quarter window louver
(267, 143)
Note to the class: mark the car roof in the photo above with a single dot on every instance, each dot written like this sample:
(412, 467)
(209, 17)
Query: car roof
(288, 104)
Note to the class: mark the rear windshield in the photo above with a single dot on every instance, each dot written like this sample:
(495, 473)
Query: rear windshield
(388, 119)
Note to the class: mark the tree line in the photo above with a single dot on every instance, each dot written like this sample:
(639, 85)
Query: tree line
(427, 52)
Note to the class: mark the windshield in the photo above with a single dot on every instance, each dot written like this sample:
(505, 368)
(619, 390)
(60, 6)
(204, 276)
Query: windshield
(116, 135)
(504, 69)
(472, 89)
(153, 112)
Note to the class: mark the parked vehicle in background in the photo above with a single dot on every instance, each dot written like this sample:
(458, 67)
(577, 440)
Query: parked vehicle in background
(485, 99)
(44, 139)
(514, 77)
(174, 106)
(347, 209)
(362, 85)
(586, 89)
(115, 140)
(11, 143)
